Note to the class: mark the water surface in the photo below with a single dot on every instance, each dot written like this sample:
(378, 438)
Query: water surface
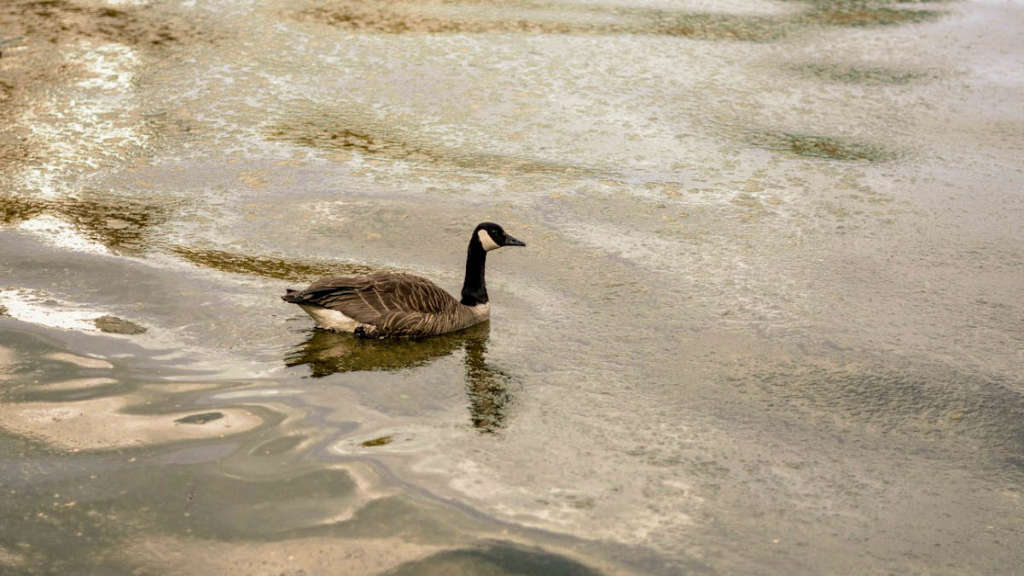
(768, 320)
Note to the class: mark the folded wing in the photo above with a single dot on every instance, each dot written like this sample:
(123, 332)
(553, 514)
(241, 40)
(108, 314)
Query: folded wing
(394, 303)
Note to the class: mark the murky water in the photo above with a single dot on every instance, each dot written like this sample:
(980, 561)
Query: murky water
(769, 319)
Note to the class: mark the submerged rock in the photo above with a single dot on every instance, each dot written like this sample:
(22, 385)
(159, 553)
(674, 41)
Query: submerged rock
(115, 325)
(202, 418)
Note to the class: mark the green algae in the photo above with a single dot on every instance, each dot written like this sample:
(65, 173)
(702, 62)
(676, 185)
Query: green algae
(862, 16)
(827, 147)
(122, 225)
(425, 17)
(386, 18)
(850, 74)
(381, 441)
(267, 266)
(341, 131)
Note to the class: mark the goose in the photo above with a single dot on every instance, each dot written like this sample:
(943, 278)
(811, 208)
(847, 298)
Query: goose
(390, 304)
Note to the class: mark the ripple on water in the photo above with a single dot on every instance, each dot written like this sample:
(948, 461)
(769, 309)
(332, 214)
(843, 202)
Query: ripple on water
(984, 414)
(74, 402)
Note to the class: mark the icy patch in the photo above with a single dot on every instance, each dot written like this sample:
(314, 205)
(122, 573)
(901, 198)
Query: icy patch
(110, 67)
(62, 234)
(93, 122)
(34, 308)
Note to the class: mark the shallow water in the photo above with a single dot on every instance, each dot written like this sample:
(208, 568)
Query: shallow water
(768, 319)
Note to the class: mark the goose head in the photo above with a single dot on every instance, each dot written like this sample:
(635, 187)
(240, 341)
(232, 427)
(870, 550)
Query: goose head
(492, 236)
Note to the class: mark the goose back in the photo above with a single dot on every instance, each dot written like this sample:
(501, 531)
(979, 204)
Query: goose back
(391, 304)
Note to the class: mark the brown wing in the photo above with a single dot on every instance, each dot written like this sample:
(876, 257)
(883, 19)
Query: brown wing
(378, 299)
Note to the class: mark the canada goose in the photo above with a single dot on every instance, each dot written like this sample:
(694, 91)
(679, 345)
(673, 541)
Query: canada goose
(389, 304)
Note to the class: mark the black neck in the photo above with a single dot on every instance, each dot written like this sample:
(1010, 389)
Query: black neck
(474, 290)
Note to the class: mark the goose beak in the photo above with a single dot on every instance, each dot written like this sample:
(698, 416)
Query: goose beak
(510, 241)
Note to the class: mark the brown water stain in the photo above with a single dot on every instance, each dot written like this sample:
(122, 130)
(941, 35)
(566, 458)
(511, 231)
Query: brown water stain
(268, 266)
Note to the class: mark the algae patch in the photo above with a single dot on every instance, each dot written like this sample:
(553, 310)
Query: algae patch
(533, 18)
(381, 441)
(847, 74)
(267, 266)
(827, 147)
(857, 15)
(122, 225)
(318, 135)
(115, 325)
(346, 132)
(465, 17)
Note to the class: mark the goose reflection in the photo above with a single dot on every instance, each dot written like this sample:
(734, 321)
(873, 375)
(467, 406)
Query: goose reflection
(327, 353)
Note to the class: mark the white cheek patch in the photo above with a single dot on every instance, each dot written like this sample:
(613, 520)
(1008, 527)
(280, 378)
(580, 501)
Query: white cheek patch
(486, 241)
